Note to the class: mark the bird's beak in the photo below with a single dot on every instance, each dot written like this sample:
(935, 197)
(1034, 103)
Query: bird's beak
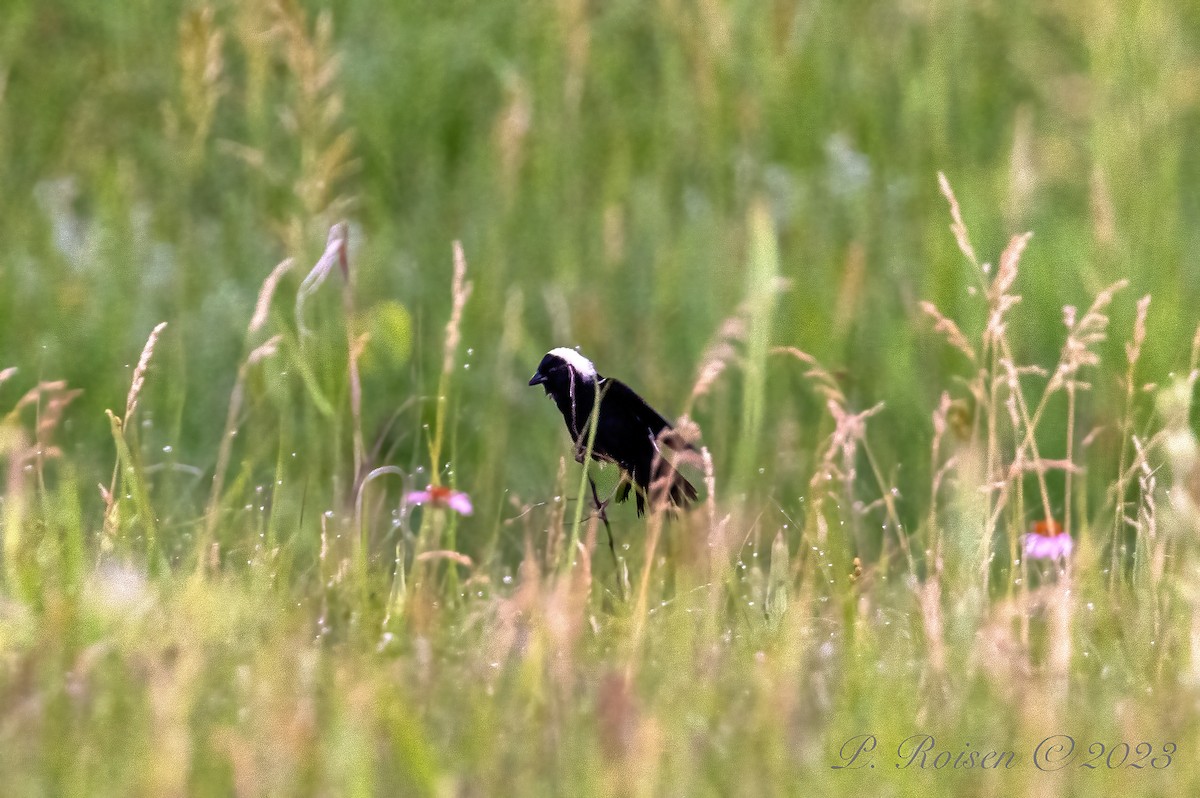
(537, 379)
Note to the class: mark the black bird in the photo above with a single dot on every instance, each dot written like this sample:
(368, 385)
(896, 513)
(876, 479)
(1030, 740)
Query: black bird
(629, 431)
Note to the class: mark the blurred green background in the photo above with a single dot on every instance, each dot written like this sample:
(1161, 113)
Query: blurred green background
(597, 161)
(601, 163)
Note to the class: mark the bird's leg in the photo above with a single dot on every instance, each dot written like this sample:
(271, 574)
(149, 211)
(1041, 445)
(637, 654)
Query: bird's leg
(603, 513)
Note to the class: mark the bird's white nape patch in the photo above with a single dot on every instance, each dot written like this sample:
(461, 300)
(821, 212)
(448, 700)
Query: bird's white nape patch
(581, 364)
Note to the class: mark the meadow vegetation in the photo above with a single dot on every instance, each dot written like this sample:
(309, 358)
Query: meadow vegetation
(918, 278)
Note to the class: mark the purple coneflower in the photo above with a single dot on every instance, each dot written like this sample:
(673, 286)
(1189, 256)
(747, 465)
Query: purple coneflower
(1047, 541)
(438, 496)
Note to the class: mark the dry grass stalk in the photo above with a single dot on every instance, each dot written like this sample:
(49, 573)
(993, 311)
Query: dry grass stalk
(201, 68)
(51, 400)
(1146, 523)
(334, 252)
(460, 292)
(957, 227)
(940, 425)
(947, 327)
(725, 348)
(124, 453)
(266, 349)
(556, 536)
(1000, 302)
(355, 346)
(511, 128)
(262, 307)
(128, 465)
(823, 381)
(1103, 212)
(33, 395)
(139, 373)
(13, 444)
(334, 255)
(1194, 359)
(315, 116)
(654, 525)
(1082, 338)
(929, 599)
(444, 554)
(1133, 353)
(718, 355)
(838, 462)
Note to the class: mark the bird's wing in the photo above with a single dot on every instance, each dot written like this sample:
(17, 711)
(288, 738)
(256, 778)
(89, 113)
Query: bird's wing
(623, 396)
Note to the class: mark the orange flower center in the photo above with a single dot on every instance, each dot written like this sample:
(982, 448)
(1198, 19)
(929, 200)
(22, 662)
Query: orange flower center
(439, 493)
(1047, 529)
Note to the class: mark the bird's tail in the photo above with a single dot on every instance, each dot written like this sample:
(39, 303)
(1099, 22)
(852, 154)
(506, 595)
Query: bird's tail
(669, 489)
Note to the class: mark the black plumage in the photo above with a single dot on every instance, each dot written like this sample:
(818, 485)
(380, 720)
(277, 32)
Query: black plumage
(629, 432)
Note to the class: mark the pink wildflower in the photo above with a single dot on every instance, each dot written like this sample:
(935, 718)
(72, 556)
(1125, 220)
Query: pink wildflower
(438, 496)
(1047, 541)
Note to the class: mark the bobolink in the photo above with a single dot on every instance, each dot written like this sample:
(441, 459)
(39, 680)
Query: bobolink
(629, 432)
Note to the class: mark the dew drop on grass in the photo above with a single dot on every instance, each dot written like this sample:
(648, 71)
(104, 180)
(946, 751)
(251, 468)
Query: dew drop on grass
(762, 471)
(507, 579)
(167, 449)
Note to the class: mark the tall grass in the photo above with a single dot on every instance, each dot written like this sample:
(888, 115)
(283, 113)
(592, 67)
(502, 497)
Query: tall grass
(741, 214)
